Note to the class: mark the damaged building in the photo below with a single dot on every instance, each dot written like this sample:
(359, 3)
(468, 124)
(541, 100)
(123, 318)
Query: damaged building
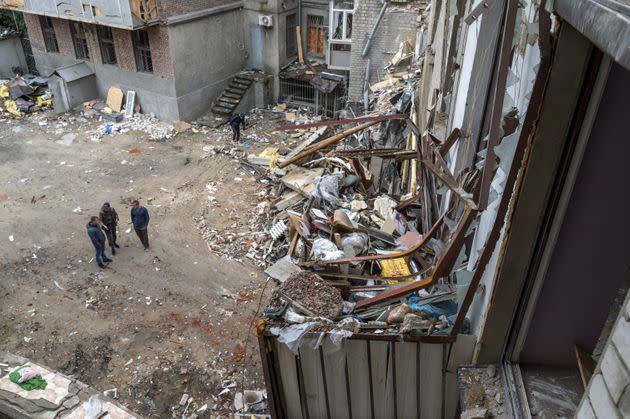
(184, 59)
(463, 224)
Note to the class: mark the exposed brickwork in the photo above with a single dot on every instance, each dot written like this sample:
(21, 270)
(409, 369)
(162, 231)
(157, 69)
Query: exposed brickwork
(64, 38)
(92, 41)
(34, 31)
(124, 49)
(160, 52)
(608, 393)
(168, 8)
(399, 24)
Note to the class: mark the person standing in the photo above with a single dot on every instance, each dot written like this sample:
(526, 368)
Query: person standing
(98, 240)
(140, 221)
(235, 122)
(109, 221)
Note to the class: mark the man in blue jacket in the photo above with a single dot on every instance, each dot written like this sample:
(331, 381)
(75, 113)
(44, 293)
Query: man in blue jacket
(140, 221)
(98, 240)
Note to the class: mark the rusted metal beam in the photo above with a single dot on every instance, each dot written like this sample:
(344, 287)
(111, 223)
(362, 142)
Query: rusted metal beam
(450, 181)
(385, 153)
(341, 122)
(395, 293)
(325, 143)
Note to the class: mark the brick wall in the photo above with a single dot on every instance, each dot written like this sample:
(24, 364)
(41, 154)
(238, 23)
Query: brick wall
(399, 23)
(160, 52)
(34, 31)
(608, 393)
(124, 49)
(64, 38)
(167, 8)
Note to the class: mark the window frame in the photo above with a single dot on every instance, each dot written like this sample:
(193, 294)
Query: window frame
(48, 32)
(345, 13)
(106, 42)
(79, 40)
(142, 51)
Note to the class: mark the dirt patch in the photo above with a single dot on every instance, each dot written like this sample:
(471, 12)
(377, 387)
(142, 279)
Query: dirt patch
(87, 362)
(311, 292)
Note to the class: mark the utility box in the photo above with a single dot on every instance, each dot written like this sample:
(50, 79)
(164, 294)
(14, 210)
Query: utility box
(71, 86)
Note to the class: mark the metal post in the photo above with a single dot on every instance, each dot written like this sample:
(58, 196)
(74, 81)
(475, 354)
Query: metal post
(366, 88)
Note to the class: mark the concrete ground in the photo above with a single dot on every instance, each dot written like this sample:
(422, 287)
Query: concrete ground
(154, 325)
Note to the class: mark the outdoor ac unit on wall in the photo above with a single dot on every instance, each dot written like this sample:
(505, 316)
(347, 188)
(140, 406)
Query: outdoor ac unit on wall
(265, 20)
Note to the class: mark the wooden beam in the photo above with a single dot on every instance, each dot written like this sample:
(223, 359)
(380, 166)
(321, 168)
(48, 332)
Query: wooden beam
(325, 143)
(447, 260)
(450, 141)
(298, 37)
(497, 103)
(341, 122)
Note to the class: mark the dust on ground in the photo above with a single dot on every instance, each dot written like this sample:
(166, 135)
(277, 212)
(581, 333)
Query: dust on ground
(154, 325)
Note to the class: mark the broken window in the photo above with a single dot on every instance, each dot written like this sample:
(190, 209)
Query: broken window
(315, 25)
(291, 43)
(142, 50)
(79, 41)
(106, 44)
(50, 39)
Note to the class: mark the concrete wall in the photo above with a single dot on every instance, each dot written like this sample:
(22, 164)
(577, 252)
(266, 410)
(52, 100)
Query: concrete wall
(11, 56)
(399, 24)
(206, 54)
(272, 40)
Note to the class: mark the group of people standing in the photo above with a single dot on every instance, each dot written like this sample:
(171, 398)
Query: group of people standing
(104, 226)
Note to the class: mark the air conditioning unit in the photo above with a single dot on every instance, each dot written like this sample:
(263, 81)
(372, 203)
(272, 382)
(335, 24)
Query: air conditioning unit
(265, 20)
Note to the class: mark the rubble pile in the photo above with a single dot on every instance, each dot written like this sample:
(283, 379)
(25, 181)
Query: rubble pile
(24, 95)
(372, 211)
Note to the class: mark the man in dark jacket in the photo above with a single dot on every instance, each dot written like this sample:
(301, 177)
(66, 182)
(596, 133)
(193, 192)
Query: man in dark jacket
(235, 122)
(98, 240)
(109, 221)
(140, 221)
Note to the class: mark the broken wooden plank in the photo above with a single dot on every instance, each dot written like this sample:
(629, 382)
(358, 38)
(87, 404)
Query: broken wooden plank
(298, 38)
(445, 264)
(327, 142)
(450, 140)
(288, 200)
(302, 180)
(341, 122)
(586, 365)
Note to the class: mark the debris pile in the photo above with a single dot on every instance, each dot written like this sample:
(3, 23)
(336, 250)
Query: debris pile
(372, 212)
(24, 95)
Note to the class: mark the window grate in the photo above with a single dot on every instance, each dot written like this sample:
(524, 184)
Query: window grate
(50, 38)
(79, 41)
(142, 51)
(106, 45)
(315, 25)
(291, 42)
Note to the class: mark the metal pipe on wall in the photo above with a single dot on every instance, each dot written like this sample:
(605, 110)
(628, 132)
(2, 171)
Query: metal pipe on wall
(373, 31)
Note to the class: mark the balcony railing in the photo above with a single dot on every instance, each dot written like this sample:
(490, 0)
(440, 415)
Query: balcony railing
(125, 14)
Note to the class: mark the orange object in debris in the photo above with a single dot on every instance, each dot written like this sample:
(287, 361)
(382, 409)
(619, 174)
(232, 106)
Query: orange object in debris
(135, 151)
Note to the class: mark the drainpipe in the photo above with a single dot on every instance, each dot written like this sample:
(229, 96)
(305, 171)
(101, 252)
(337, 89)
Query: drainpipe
(373, 31)
(366, 88)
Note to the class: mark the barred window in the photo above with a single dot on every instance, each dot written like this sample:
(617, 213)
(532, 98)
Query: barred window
(106, 45)
(79, 41)
(50, 39)
(291, 43)
(142, 51)
(315, 26)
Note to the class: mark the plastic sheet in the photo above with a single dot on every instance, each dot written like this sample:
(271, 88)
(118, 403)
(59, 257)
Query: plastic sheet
(324, 249)
(292, 335)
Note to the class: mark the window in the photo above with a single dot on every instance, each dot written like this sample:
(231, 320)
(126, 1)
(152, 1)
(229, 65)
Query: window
(340, 34)
(106, 44)
(291, 43)
(50, 39)
(315, 25)
(142, 51)
(79, 41)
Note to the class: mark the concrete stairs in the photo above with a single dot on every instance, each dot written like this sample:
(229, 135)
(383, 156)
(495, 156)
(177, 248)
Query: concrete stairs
(224, 106)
